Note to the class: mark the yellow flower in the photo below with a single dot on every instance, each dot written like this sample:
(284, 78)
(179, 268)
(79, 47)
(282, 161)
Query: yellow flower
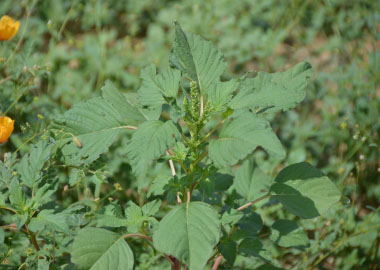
(8, 27)
(6, 128)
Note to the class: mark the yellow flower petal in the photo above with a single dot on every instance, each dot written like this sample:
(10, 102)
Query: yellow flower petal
(6, 128)
(8, 27)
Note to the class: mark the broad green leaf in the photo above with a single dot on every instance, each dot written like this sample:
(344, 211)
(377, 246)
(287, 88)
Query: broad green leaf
(92, 126)
(134, 217)
(189, 232)
(111, 216)
(220, 94)
(250, 246)
(16, 195)
(228, 249)
(50, 220)
(155, 87)
(274, 91)
(43, 264)
(157, 187)
(197, 58)
(232, 216)
(31, 164)
(99, 249)
(240, 136)
(6, 170)
(287, 233)
(251, 224)
(151, 208)
(304, 190)
(150, 142)
(251, 182)
(110, 221)
(42, 195)
(125, 104)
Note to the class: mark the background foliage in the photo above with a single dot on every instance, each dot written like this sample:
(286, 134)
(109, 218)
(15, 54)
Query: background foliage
(65, 51)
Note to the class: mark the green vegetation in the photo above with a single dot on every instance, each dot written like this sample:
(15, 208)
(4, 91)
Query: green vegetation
(245, 136)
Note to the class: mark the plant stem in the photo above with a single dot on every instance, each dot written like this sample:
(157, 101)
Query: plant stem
(32, 237)
(9, 209)
(212, 131)
(176, 265)
(142, 236)
(217, 262)
(172, 168)
(253, 202)
(201, 157)
(138, 235)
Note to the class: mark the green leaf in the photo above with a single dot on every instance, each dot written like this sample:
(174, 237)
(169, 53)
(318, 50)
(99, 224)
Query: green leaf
(111, 216)
(99, 249)
(228, 249)
(268, 267)
(250, 246)
(96, 124)
(157, 187)
(155, 87)
(251, 182)
(2, 199)
(240, 136)
(43, 264)
(125, 104)
(2, 235)
(50, 220)
(32, 163)
(286, 233)
(274, 92)
(220, 94)
(151, 208)
(150, 142)
(251, 224)
(304, 190)
(134, 217)
(232, 216)
(42, 195)
(110, 221)
(16, 195)
(189, 232)
(197, 58)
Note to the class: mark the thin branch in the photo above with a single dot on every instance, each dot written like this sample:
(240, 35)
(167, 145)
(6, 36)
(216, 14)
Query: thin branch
(179, 200)
(172, 168)
(188, 195)
(9, 209)
(32, 237)
(176, 265)
(212, 131)
(12, 227)
(201, 157)
(5, 79)
(130, 127)
(217, 262)
(253, 202)
(171, 164)
(142, 236)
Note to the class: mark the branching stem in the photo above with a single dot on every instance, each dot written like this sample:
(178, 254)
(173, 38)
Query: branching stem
(253, 202)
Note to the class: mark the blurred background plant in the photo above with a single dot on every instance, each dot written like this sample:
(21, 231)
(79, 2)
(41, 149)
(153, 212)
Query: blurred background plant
(66, 50)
